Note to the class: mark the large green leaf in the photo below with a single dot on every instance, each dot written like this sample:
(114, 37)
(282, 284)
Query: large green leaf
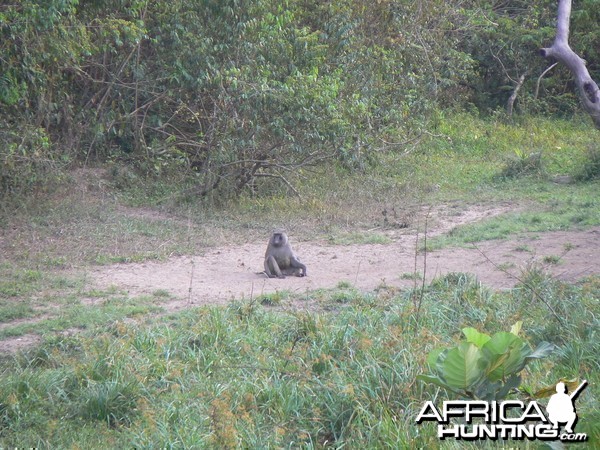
(464, 366)
(496, 366)
(483, 367)
(506, 354)
(475, 336)
(501, 342)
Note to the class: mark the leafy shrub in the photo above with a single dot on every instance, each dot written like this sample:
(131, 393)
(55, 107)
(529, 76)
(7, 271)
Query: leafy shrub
(239, 96)
(483, 367)
(27, 159)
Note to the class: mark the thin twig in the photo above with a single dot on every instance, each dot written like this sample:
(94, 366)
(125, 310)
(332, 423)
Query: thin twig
(192, 260)
(280, 177)
(422, 293)
(191, 283)
(415, 271)
(357, 271)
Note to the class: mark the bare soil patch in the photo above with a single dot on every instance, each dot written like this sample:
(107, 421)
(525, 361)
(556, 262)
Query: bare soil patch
(234, 272)
(14, 344)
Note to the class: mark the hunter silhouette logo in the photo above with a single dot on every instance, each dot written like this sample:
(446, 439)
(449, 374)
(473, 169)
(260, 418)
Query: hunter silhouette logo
(561, 407)
(508, 419)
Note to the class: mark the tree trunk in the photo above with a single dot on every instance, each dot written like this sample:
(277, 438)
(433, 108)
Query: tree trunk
(562, 52)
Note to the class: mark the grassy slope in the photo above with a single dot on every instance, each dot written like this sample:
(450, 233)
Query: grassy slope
(264, 377)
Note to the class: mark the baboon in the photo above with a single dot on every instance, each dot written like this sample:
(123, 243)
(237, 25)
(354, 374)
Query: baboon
(280, 259)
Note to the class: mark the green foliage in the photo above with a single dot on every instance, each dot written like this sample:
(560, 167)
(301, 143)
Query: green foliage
(241, 96)
(483, 367)
(504, 41)
(27, 159)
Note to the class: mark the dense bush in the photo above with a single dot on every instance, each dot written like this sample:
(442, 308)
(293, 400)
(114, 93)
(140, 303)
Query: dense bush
(26, 158)
(241, 94)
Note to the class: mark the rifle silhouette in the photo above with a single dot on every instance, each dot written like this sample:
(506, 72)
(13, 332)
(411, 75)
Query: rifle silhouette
(578, 390)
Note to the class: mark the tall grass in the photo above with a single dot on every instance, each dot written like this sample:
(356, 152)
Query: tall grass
(249, 376)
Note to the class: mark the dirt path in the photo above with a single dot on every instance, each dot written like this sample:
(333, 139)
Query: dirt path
(231, 272)
(227, 273)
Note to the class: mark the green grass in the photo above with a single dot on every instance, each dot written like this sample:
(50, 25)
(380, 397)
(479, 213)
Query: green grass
(273, 299)
(471, 158)
(10, 311)
(568, 208)
(551, 259)
(45, 301)
(69, 229)
(249, 376)
(77, 309)
(359, 238)
(115, 372)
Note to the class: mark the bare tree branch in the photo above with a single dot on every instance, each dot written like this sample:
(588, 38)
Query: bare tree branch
(513, 97)
(282, 179)
(539, 80)
(562, 52)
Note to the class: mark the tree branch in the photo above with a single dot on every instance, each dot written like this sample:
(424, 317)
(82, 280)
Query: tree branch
(279, 177)
(511, 100)
(539, 80)
(562, 52)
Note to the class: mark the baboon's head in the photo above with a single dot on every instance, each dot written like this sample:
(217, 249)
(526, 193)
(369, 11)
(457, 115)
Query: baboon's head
(279, 238)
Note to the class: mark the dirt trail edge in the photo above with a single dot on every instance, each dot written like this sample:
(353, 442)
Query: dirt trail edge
(230, 273)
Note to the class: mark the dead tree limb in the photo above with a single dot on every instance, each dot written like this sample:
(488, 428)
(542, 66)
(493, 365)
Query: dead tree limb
(562, 52)
(539, 80)
(511, 100)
